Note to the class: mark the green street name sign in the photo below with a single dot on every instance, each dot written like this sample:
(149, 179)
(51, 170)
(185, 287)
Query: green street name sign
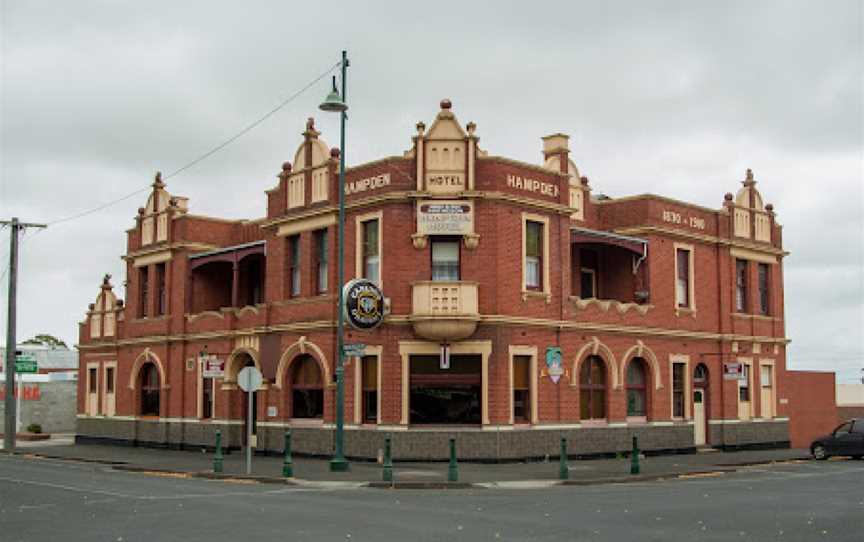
(26, 364)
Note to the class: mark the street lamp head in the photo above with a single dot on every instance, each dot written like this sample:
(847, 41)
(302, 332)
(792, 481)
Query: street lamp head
(333, 102)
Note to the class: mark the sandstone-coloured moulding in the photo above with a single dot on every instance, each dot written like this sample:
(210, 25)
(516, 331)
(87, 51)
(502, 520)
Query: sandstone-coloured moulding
(444, 310)
(606, 304)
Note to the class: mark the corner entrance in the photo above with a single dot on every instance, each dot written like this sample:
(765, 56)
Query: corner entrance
(446, 395)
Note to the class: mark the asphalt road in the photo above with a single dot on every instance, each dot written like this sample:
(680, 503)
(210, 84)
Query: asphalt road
(60, 501)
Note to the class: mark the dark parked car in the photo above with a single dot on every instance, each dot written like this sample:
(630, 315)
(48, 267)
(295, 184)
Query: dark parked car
(847, 439)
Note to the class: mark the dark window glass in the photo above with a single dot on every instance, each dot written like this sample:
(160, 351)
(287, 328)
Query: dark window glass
(307, 394)
(522, 388)
(741, 285)
(445, 260)
(636, 388)
(161, 294)
(678, 390)
(588, 271)
(92, 380)
(207, 398)
(858, 427)
(700, 374)
(534, 255)
(321, 257)
(592, 389)
(109, 380)
(744, 385)
(369, 368)
(294, 265)
(149, 390)
(763, 289)
(371, 258)
(845, 428)
(143, 295)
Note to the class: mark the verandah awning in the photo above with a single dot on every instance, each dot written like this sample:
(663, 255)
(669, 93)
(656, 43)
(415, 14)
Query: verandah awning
(633, 244)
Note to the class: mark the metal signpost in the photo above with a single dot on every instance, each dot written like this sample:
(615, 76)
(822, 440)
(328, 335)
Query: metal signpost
(24, 363)
(249, 379)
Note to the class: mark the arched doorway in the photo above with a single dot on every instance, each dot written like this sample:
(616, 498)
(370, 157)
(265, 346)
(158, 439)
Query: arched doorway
(700, 405)
(592, 389)
(150, 390)
(306, 395)
(637, 388)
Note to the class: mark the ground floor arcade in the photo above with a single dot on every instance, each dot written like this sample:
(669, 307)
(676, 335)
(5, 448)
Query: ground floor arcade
(503, 390)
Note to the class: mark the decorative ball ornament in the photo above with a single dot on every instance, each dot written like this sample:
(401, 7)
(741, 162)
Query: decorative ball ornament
(286, 166)
(334, 153)
(446, 103)
(728, 196)
(769, 207)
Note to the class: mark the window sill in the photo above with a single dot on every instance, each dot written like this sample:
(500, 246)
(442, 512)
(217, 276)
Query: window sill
(637, 420)
(594, 423)
(747, 316)
(536, 294)
(686, 311)
(306, 422)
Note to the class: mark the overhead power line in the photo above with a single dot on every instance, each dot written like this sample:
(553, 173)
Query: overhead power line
(207, 154)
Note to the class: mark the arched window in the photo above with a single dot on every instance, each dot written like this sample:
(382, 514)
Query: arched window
(149, 381)
(637, 399)
(592, 388)
(307, 394)
(700, 375)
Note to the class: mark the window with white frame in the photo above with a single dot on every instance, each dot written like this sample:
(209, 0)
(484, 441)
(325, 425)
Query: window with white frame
(534, 255)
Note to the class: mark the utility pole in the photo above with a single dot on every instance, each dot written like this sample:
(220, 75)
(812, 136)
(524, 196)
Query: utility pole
(10, 425)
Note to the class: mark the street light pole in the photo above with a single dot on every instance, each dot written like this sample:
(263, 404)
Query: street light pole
(339, 463)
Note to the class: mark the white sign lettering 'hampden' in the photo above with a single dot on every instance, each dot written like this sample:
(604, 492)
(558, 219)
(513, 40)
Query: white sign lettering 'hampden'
(369, 183)
(532, 185)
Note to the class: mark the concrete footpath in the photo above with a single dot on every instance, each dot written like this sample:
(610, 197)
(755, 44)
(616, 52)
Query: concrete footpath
(316, 472)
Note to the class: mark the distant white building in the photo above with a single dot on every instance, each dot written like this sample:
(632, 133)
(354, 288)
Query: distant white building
(49, 397)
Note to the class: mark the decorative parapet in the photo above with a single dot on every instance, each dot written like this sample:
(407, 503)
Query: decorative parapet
(605, 304)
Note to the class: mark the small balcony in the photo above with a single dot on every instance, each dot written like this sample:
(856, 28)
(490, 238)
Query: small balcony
(444, 311)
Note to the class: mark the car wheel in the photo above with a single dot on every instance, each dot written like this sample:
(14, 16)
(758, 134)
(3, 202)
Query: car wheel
(819, 452)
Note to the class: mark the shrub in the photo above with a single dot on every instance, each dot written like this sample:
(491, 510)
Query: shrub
(34, 428)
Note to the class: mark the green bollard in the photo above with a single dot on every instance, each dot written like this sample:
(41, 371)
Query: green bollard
(287, 464)
(387, 473)
(563, 471)
(634, 458)
(453, 469)
(218, 459)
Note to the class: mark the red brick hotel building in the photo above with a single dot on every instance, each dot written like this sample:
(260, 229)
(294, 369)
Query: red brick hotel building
(562, 312)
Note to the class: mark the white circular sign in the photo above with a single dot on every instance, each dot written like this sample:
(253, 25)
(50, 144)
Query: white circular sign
(249, 379)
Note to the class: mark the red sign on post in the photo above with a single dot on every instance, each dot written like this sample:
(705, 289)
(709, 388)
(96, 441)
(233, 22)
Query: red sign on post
(733, 371)
(31, 392)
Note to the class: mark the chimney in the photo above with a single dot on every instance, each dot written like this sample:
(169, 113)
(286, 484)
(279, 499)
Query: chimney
(557, 145)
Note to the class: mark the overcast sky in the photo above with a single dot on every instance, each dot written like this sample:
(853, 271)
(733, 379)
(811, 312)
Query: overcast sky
(672, 98)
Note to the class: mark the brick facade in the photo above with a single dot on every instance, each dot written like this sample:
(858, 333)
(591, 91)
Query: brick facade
(215, 301)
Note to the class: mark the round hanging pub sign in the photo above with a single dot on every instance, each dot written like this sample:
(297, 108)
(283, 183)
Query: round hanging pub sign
(363, 305)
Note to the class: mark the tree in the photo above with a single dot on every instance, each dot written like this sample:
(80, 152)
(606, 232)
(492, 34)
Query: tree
(50, 341)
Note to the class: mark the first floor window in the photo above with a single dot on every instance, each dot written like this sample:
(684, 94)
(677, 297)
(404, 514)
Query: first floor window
(91, 380)
(763, 289)
(143, 292)
(322, 259)
(592, 389)
(294, 265)
(678, 390)
(533, 255)
(161, 292)
(369, 367)
(636, 388)
(682, 280)
(766, 376)
(370, 256)
(588, 273)
(522, 388)
(445, 259)
(307, 394)
(741, 285)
